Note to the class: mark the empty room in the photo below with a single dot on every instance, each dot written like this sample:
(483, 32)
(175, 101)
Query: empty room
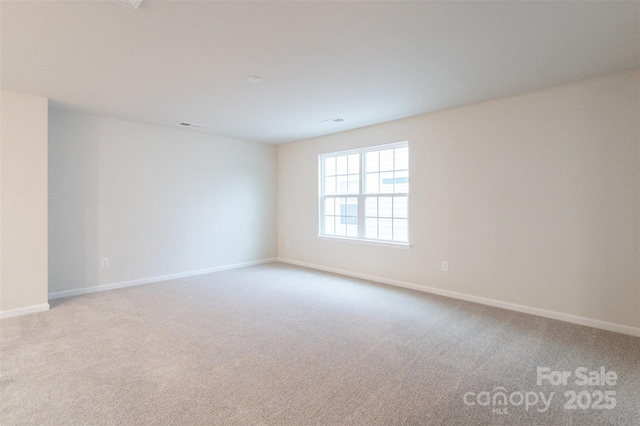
(319, 212)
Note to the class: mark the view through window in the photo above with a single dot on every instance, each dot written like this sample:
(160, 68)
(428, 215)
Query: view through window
(364, 194)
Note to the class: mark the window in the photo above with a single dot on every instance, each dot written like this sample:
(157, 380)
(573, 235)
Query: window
(364, 194)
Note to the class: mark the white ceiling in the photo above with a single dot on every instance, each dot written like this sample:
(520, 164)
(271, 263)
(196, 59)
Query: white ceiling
(366, 62)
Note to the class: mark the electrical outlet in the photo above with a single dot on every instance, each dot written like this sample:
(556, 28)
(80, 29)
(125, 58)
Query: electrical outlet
(286, 243)
(104, 262)
(444, 266)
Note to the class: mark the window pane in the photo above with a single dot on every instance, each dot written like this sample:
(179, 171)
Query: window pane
(329, 222)
(330, 186)
(342, 185)
(402, 182)
(385, 229)
(351, 210)
(400, 230)
(372, 207)
(386, 183)
(353, 205)
(371, 228)
(372, 184)
(341, 228)
(352, 230)
(402, 158)
(329, 206)
(386, 160)
(385, 207)
(354, 184)
(340, 206)
(371, 161)
(400, 207)
(341, 165)
(354, 163)
(330, 166)
(348, 210)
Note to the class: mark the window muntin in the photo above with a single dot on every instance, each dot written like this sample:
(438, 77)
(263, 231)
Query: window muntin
(364, 193)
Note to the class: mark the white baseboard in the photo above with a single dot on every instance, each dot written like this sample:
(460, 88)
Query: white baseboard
(105, 287)
(24, 311)
(589, 322)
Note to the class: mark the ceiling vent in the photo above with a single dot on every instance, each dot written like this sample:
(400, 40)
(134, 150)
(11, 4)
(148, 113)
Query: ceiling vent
(191, 125)
(134, 4)
(333, 120)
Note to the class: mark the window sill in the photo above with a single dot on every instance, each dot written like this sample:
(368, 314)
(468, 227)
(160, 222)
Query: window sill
(405, 246)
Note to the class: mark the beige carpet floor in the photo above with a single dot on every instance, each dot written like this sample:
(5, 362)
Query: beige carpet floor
(282, 345)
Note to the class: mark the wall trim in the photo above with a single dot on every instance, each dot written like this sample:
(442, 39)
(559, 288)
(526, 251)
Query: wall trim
(24, 311)
(589, 322)
(141, 281)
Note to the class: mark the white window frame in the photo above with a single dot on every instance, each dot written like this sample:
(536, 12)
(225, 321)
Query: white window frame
(361, 197)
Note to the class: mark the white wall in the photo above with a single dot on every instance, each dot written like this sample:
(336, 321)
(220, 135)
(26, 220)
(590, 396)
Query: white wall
(23, 204)
(155, 201)
(533, 200)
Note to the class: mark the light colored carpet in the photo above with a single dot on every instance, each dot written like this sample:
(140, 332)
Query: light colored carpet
(276, 344)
